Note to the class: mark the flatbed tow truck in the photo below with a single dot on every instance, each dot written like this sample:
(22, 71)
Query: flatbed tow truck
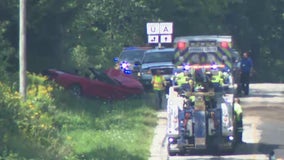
(200, 116)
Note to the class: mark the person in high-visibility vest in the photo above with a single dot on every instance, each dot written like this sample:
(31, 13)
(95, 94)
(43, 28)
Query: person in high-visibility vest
(238, 111)
(181, 78)
(159, 83)
(184, 80)
(217, 80)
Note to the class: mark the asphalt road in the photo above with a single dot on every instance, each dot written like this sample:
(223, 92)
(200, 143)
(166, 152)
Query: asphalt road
(263, 128)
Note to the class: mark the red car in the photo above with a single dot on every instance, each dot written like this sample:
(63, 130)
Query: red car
(110, 84)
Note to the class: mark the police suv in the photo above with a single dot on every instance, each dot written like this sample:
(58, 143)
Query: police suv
(129, 58)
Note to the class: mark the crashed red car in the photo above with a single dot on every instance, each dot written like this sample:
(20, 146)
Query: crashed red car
(110, 84)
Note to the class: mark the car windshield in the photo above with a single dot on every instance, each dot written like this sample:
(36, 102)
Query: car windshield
(132, 55)
(162, 56)
(101, 76)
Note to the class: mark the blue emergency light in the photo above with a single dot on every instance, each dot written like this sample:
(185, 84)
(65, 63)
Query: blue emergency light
(124, 65)
(127, 71)
(115, 59)
(186, 67)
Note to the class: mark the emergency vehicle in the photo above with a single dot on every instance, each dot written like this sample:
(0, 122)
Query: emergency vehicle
(200, 116)
(208, 49)
(129, 58)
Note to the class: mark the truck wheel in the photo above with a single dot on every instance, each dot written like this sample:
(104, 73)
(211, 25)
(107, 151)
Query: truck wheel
(182, 152)
(172, 153)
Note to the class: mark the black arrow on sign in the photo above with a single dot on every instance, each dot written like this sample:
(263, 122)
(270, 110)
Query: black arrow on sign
(153, 39)
(166, 39)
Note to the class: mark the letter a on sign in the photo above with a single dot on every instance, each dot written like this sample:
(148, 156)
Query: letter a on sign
(166, 28)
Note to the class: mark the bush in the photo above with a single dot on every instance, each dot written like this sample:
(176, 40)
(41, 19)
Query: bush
(28, 126)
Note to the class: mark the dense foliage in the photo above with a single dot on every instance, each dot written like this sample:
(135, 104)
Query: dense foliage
(79, 33)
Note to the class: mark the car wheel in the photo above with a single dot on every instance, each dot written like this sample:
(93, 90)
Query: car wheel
(76, 90)
(172, 154)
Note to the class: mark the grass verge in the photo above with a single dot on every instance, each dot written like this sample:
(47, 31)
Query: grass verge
(99, 130)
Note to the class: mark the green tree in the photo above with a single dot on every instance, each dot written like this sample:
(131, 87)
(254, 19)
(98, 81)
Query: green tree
(106, 26)
(258, 27)
(56, 28)
(193, 17)
(7, 53)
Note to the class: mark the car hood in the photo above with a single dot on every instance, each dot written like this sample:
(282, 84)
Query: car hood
(157, 65)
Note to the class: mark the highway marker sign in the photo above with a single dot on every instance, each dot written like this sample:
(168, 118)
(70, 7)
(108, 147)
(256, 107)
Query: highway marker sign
(159, 32)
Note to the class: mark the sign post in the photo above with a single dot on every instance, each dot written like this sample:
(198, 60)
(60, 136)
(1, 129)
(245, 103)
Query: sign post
(22, 49)
(159, 32)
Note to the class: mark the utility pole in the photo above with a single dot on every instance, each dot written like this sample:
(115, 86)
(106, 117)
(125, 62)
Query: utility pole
(22, 48)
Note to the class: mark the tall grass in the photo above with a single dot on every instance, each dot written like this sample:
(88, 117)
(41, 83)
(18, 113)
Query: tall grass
(102, 130)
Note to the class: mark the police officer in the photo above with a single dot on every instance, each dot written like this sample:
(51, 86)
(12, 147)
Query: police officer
(246, 70)
(238, 112)
(159, 83)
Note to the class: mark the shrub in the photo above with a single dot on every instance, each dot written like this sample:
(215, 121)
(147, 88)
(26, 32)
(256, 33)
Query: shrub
(28, 127)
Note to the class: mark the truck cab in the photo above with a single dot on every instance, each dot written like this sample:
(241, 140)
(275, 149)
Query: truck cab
(158, 58)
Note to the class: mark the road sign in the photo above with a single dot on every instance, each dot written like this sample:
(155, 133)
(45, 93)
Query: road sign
(153, 28)
(160, 32)
(166, 28)
(160, 28)
(166, 39)
(153, 38)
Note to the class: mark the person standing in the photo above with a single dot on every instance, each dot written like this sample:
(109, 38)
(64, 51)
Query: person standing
(183, 80)
(159, 83)
(246, 70)
(238, 112)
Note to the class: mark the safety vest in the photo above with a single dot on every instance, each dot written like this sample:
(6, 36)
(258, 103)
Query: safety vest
(192, 98)
(238, 110)
(198, 87)
(158, 82)
(218, 78)
(181, 79)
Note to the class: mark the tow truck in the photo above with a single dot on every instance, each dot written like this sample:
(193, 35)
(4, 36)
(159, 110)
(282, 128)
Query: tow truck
(200, 116)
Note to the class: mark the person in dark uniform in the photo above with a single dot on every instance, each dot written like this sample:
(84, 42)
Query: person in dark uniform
(246, 70)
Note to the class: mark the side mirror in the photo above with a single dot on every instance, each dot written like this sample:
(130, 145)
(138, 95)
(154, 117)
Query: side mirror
(115, 59)
(137, 63)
